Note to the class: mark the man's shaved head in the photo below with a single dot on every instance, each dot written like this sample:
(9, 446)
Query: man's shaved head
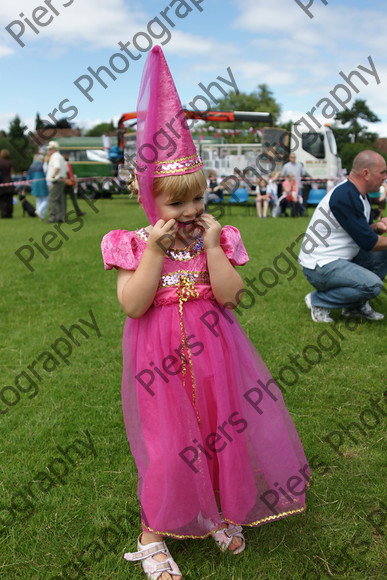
(365, 160)
(368, 171)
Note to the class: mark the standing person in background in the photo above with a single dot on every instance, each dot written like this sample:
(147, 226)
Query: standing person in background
(56, 175)
(38, 185)
(7, 191)
(262, 199)
(297, 168)
(292, 198)
(272, 186)
(70, 185)
(272, 190)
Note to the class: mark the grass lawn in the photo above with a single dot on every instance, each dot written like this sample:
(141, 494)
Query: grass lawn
(71, 512)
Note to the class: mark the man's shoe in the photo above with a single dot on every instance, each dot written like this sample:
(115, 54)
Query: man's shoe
(366, 311)
(318, 314)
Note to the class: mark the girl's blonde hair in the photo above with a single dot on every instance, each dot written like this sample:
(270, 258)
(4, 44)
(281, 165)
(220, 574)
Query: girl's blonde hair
(180, 187)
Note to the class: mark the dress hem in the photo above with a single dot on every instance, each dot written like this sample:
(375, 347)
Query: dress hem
(252, 525)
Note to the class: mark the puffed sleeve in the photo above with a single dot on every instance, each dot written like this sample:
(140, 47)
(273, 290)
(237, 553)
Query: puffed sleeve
(122, 249)
(232, 245)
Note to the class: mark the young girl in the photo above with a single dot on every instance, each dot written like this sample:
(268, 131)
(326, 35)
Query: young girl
(290, 189)
(214, 445)
(263, 198)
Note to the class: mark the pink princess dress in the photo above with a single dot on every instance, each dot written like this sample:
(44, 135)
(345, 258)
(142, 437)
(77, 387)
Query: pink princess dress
(206, 423)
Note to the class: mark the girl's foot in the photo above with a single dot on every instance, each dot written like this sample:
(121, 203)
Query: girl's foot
(155, 557)
(230, 538)
(148, 538)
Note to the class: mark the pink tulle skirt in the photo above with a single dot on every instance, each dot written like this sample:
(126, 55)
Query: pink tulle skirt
(207, 425)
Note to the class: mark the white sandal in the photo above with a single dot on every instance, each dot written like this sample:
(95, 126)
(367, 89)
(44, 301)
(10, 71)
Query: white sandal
(225, 536)
(152, 568)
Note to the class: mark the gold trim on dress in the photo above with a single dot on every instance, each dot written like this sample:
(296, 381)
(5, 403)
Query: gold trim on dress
(186, 290)
(253, 524)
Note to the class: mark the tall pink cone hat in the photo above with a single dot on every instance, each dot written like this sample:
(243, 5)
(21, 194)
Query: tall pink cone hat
(164, 142)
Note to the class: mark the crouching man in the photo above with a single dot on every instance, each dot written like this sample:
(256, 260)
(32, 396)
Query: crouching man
(343, 254)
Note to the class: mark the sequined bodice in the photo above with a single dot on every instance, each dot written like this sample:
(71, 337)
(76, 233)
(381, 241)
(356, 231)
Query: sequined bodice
(188, 263)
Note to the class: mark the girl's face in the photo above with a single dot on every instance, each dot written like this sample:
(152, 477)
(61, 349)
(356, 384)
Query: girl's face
(183, 211)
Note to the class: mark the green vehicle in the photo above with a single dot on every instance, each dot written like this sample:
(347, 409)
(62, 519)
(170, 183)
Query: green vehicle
(87, 156)
(91, 165)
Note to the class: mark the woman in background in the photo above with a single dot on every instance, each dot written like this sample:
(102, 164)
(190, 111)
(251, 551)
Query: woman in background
(38, 185)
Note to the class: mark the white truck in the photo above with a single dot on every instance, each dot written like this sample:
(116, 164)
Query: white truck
(316, 150)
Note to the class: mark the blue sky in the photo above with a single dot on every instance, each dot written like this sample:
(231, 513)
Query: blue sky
(262, 41)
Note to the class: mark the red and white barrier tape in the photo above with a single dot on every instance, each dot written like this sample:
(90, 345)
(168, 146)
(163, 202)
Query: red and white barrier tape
(97, 178)
(78, 179)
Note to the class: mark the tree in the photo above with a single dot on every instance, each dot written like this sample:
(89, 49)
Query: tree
(16, 129)
(21, 152)
(350, 117)
(287, 125)
(38, 122)
(259, 100)
(100, 129)
(63, 124)
(350, 150)
(19, 145)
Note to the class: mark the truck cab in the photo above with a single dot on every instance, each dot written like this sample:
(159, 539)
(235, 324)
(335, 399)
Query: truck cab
(317, 151)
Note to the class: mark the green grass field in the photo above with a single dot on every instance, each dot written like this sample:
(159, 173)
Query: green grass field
(57, 511)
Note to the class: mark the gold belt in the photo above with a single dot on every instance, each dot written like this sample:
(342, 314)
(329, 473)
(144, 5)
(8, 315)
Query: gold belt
(186, 290)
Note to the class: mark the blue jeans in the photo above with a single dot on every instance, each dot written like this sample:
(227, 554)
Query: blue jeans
(345, 284)
(41, 205)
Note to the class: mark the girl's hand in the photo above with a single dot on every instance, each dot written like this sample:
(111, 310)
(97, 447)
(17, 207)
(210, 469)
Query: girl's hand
(162, 236)
(211, 230)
